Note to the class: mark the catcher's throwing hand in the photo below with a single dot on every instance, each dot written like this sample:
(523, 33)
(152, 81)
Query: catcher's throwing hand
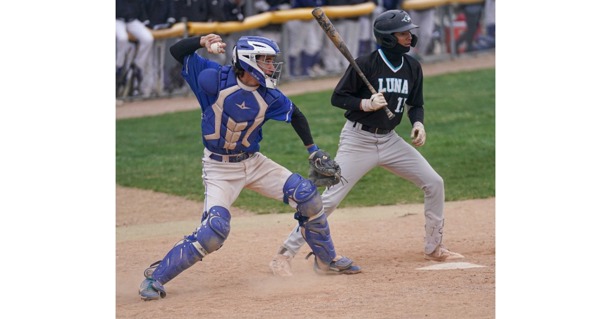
(418, 134)
(213, 43)
(323, 170)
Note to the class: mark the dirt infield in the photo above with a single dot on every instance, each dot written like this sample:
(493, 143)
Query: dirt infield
(235, 282)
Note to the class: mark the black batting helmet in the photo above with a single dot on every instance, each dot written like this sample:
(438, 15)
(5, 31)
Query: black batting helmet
(390, 22)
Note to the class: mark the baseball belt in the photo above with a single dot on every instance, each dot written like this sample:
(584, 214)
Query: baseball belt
(233, 158)
(373, 129)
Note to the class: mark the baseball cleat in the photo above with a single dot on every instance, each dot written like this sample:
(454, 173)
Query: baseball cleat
(151, 289)
(280, 265)
(341, 266)
(442, 254)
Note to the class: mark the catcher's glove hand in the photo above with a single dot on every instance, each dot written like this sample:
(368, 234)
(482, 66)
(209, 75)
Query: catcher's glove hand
(323, 170)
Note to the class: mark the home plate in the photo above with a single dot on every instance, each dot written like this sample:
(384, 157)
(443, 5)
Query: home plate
(444, 266)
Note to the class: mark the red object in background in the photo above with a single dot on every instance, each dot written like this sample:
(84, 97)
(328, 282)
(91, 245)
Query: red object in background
(459, 26)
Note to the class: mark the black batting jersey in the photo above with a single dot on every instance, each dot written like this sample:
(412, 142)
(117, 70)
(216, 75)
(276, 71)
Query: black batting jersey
(401, 82)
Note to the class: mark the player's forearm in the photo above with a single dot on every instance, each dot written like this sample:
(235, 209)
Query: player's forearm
(301, 126)
(345, 101)
(416, 114)
(185, 47)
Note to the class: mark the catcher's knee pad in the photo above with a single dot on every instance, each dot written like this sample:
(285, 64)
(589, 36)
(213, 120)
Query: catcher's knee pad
(304, 193)
(214, 230)
(317, 235)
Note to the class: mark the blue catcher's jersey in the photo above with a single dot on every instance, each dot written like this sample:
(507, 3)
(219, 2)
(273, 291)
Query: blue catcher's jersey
(232, 113)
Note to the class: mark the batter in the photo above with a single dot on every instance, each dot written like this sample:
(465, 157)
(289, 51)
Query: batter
(368, 138)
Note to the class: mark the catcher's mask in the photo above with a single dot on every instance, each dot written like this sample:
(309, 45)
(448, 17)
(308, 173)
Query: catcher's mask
(256, 55)
(390, 22)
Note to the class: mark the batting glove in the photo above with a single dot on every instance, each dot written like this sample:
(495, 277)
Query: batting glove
(376, 102)
(418, 134)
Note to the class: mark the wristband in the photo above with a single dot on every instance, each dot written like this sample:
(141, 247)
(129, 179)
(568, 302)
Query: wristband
(313, 148)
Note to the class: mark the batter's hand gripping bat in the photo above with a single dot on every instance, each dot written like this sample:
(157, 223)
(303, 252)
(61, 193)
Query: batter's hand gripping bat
(337, 40)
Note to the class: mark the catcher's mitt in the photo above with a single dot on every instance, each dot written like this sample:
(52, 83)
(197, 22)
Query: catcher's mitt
(323, 170)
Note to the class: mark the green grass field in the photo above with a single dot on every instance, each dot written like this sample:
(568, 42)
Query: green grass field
(163, 153)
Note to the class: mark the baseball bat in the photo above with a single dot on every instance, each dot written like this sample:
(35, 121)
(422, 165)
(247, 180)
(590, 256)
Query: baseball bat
(337, 40)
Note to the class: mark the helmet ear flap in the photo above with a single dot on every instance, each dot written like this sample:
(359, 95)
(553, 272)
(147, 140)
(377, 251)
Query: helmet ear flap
(234, 59)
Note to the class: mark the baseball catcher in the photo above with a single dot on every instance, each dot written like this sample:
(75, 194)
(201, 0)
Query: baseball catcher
(236, 101)
(323, 170)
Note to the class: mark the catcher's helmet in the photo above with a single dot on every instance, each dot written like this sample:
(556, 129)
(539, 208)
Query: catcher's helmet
(390, 22)
(244, 57)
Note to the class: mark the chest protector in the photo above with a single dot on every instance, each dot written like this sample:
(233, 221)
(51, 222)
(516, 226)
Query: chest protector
(233, 123)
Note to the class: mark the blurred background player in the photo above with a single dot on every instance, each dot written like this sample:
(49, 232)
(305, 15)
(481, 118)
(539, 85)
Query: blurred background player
(472, 13)
(349, 28)
(130, 17)
(272, 31)
(425, 19)
(304, 53)
(161, 15)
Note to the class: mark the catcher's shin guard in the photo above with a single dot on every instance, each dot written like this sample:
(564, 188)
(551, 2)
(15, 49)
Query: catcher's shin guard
(317, 235)
(311, 216)
(207, 238)
(182, 256)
